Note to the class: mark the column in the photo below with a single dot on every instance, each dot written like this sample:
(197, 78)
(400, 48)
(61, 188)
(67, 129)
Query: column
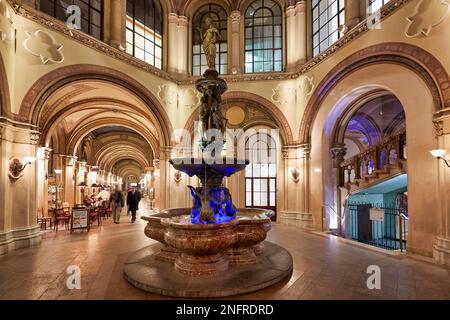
(172, 64)
(301, 34)
(352, 13)
(291, 35)
(441, 247)
(47, 154)
(157, 185)
(177, 44)
(235, 18)
(296, 186)
(118, 23)
(68, 176)
(338, 152)
(182, 52)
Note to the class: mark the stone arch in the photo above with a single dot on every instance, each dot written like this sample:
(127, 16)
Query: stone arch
(242, 5)
(191, 6)
(279, 120)
(36, 96)
(409, 56)
(422, 168)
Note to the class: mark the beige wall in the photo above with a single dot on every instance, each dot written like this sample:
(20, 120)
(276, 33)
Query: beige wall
(298, 203)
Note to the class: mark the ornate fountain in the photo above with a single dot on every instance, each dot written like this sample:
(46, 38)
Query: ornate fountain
(212, 249)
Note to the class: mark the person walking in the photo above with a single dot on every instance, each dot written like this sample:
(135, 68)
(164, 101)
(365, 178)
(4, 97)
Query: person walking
(133, 199)
(117, 204)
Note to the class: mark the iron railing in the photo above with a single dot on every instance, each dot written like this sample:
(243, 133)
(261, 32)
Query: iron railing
(376, 225)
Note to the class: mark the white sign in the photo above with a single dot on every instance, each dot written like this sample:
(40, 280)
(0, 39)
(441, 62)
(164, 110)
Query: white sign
(79, 219)
(376, 214)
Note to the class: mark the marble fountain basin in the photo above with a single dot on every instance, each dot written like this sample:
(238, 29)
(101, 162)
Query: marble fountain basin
(208, 260)
(204, 249)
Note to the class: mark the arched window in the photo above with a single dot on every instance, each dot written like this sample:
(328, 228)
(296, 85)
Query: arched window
(327, 16)
(219, 18)
(144, 32)
(263, 37)
(261, 173)
(91, 14)
(375, 5)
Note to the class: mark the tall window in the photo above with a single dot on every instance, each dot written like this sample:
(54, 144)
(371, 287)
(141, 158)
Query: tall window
(144, 31)
(91, 13)
(263, 37)
(261, 173)
(327, 16)
(375, 5)
(219, 19)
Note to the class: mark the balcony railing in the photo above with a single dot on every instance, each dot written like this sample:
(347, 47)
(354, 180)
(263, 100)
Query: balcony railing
(374, 160)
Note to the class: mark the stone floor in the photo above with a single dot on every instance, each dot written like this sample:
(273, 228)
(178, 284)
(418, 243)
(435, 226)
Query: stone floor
(324, 268)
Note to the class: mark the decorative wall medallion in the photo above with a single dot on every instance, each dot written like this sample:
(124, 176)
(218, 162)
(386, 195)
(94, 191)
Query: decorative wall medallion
(15, 169)
(284, 95)
(168, 94)
(177, 176)
(427, 15)
(42, 44)
(306, 87)
(6, 22)
(189, 98)
(34, 137)
(439, 128)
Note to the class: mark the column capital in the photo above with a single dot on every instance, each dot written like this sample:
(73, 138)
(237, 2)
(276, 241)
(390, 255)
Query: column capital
(290, 11)
(183, 21)
(300, 6)
(156, 163)
(235, 17)
(338, 152)
(172, 18)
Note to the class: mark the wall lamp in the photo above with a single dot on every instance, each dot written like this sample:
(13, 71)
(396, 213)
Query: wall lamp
(295, 175)
(439, 154)
(16, 166)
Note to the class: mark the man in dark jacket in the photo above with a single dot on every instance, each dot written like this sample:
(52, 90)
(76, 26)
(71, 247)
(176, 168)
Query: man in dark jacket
(133, 199)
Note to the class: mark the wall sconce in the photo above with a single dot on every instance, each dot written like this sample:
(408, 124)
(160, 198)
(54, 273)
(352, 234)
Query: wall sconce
(439, 154)
(295, 174)
(16, 166)
(177, 176)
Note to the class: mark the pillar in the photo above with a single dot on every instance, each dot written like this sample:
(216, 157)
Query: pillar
(338, 152)
(441, 247)
(292, 41)
(157, 185)
(68, 179)
(177, 44)
(296, 33)
(352, 13)
(118, 23)
(302, 34)
(235, 18)
(18, 215)
(294, 174)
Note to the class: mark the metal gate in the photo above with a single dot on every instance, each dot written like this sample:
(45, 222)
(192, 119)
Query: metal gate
(376, 225)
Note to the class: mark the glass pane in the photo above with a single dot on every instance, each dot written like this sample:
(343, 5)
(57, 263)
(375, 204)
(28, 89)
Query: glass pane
(256, 199)
(248, 185)
(257, 170)
(256, 185)
(272, 199)
(264, 170)
(264, 185)
(272, 187)
(248, 199)
(272, 170)
(264, 200)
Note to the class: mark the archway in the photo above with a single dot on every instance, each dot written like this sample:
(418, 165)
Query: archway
(381, 77)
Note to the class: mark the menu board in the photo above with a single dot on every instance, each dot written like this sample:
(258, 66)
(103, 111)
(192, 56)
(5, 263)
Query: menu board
(79, 219)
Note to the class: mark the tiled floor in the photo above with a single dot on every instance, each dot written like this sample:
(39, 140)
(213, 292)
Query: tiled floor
(324, 268)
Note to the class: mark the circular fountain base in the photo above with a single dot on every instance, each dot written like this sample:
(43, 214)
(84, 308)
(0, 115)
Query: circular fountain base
(145, 271)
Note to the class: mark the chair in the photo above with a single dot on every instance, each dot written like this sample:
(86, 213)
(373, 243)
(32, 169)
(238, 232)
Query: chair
(95, 214)
(62, 215)
(42, 220)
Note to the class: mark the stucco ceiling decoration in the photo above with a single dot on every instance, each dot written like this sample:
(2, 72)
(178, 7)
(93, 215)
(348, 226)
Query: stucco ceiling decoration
(171, 95)
(306, 88)
(43, 45)
(427, 15)
(284, 95)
